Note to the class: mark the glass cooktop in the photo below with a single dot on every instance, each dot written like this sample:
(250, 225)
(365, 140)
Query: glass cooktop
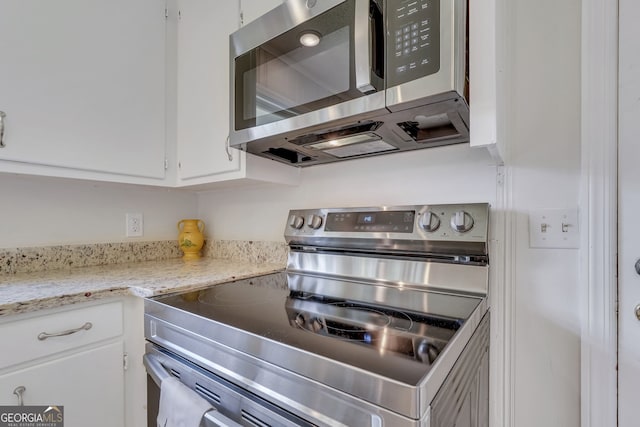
(399, 341)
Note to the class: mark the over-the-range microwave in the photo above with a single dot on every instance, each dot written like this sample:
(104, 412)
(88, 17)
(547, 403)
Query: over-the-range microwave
(318, 81)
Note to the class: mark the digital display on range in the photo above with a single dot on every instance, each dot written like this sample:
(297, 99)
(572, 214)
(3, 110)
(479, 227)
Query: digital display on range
(379, 221)
(366, 219)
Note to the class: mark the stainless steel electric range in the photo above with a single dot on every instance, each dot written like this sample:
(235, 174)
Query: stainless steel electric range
(380, 319)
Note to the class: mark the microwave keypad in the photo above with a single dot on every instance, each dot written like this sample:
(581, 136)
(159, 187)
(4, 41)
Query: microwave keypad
(414, 45)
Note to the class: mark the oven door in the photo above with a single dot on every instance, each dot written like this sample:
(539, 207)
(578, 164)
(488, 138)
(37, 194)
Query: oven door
(233, 406)
(327, 63)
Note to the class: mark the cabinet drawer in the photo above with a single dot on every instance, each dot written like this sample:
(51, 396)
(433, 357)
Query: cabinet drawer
(89, 384)
(32, 338)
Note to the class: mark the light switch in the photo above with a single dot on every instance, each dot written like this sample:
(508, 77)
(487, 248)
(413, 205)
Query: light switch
(554, 228)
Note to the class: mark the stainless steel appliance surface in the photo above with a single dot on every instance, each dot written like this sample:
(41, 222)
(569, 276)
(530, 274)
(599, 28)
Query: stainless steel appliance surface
(314, 82)
(380, 319)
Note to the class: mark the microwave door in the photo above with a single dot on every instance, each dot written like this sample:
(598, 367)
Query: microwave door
(317, 72)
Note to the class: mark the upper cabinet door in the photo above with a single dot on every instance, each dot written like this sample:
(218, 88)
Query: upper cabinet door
(202, 92)
(203, 89)
(252, 9)
(82, 83)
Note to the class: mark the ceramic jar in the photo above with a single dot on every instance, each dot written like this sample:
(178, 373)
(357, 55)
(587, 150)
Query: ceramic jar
(191, 237)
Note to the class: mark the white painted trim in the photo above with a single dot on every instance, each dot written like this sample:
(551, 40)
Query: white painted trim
(599, 212)
(501, 362)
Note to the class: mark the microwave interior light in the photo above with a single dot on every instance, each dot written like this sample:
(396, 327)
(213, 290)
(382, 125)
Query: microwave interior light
(341, 142)
(309, 39)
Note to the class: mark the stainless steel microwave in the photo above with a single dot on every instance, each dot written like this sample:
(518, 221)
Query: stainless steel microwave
(318, 81)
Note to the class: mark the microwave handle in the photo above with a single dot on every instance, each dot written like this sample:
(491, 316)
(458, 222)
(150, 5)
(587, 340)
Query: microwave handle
(362, 47)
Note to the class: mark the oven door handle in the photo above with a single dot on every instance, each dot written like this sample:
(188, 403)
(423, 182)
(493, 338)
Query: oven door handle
(157, 372)
(216, 419)
(155, 369)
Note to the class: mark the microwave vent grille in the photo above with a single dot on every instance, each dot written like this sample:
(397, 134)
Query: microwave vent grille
(337, 133)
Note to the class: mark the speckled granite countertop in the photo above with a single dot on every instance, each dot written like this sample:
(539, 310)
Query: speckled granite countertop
(27, 292)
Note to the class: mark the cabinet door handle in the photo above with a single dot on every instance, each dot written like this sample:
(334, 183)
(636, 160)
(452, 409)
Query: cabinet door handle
(44, 335)
(226, 148)
(2, 116)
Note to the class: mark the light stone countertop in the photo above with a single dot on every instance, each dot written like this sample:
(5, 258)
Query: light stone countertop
(26, 292)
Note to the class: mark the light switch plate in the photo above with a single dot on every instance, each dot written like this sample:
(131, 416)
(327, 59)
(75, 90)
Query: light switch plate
(554, 228)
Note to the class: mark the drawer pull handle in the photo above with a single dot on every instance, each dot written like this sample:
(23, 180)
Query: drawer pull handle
(18, 392)
(44, 335)
(2, 116)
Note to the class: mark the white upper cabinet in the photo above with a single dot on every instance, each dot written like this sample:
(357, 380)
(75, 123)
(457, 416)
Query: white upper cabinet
(203, 89)
(82, 83)
(485, 59)
(251, 9)
(202, 98)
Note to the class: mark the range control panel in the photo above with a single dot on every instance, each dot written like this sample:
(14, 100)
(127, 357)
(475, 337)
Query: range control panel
(452, 222)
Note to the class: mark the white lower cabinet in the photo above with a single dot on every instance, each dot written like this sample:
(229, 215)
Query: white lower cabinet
(80, 357)
(88, 384)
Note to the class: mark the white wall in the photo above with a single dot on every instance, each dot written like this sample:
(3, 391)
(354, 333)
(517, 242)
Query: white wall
(40, 211)
(438, 175)
(542, 124)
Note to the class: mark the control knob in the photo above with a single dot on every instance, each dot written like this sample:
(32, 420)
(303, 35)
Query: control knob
(314, 221)
(427, 352)
(429, 221)
(461, 222)
(296, 221)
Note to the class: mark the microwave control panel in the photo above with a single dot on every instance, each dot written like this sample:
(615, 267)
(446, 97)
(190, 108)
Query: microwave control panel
(413, 44)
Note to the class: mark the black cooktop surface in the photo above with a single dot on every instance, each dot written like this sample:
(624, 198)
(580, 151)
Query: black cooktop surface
(399, 342)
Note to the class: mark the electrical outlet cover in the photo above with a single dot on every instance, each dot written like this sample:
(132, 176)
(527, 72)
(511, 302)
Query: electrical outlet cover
(134, 225)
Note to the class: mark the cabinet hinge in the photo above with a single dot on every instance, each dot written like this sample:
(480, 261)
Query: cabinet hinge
(125, 361)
